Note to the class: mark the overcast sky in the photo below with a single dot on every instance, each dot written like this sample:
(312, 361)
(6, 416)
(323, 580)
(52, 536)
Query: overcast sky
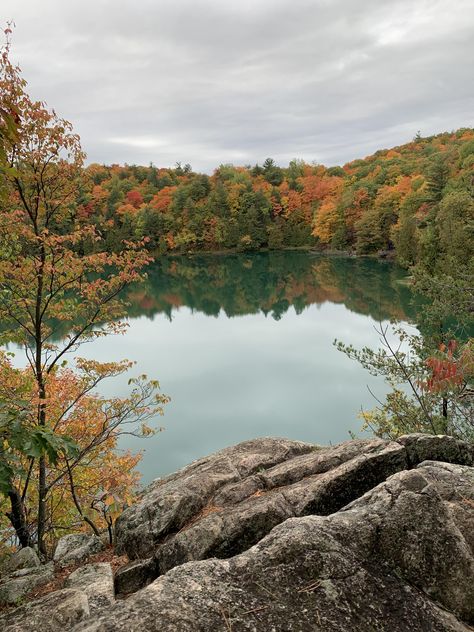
(217, 81)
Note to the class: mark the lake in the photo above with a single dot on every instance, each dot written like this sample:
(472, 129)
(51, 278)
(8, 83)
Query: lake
(243, 345)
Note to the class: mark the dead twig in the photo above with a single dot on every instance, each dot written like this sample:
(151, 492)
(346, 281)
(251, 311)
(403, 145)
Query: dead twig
(259, 609)
(310, 587)
(265, 589)
(227, 619)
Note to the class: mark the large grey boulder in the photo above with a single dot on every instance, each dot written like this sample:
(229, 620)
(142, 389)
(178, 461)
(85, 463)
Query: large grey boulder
(76, 547)
(15, 586)
(400, 558)
(59, 611)
(97, 582)
(223, 504)
(424, 447)
(23, 558)
(423, 522)
(168, 504)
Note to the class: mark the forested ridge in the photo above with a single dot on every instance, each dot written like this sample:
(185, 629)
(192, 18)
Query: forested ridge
(415, 200)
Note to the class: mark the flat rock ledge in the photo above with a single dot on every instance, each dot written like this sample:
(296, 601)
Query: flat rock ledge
(277, 535)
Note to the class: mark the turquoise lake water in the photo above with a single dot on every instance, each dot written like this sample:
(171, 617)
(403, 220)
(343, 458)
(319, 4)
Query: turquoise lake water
(243, 345)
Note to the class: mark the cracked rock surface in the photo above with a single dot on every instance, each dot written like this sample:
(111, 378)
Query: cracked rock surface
(398, 558)
(223, 504)
(16, 585)
(23, 558)
(97, 582)
(278, 535)
(57, 612)
(76, 547)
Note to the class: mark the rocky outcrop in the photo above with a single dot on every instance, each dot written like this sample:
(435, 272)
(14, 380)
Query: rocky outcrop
(398, 558)
(23, 571)
(423, 523)
(279, 535)
(133, 576)
(168, 504)
(23, 558)
(222, 505)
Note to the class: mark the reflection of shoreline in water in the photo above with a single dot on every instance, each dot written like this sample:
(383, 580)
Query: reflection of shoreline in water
(268, 283)
(271, 283)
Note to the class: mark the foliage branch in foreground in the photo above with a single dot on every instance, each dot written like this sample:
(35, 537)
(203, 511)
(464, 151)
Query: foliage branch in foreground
(58, 438)
(431, 373)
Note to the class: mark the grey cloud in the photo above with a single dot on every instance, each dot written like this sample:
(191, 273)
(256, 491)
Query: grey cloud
(207, 81)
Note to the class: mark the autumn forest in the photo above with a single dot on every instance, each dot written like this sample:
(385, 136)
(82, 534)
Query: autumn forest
(413, 202)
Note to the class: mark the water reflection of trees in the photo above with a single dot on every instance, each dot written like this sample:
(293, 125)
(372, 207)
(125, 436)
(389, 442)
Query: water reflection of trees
(271, 283)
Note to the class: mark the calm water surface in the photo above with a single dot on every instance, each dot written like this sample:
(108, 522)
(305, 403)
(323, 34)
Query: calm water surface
(243, 345)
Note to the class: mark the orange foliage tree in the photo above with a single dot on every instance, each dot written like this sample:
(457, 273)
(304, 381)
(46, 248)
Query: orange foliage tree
(90, 484)
(52, 299)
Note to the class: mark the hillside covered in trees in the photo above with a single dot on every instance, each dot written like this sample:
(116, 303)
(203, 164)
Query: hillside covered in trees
(415, 200)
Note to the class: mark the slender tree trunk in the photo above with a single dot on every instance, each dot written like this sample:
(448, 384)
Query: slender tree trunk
(445, 414)
(42, 488)
(17, 517)
(110, 530)
(42, 505)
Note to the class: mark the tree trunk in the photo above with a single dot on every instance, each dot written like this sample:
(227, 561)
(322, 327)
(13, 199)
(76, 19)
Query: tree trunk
(18, 518)
(78, 504)
(42, 491)
(445, 414)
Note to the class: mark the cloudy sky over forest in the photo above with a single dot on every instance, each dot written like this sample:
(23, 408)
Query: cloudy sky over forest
(210, 81)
